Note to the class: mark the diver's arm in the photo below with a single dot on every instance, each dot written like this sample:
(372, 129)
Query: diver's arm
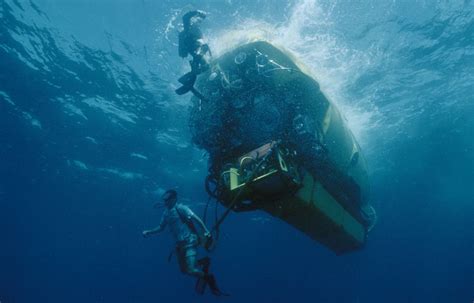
(190, 215)
(199, 221)
(152, 231)
(155, 230)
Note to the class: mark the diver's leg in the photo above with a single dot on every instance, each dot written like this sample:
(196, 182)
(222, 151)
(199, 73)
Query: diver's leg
(204, 263)
(195, 63)
(202, 63)
(191, 266)
(181, 260)
(211, 281)
(199, 63)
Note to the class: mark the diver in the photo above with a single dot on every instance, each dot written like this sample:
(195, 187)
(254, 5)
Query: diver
(180, 220)
(191, 42)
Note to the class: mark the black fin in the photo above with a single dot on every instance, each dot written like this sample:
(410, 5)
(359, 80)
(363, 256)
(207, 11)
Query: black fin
(182, 90)
(211, 281)
(200, 286)
(188, 81)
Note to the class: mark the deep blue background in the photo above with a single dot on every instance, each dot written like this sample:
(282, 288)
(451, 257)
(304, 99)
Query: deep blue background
(90, 133)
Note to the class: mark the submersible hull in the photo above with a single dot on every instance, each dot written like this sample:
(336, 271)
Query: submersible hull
(256, 104)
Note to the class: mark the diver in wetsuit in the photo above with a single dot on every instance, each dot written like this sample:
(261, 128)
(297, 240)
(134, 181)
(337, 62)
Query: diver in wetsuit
(191, 42)
(180, 220)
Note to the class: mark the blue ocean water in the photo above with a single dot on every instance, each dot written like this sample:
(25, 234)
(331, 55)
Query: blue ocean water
(91, 132)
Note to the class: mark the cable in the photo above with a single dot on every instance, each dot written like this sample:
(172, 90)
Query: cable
(204, 216)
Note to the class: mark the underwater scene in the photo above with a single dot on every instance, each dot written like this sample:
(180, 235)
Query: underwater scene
(237, 151)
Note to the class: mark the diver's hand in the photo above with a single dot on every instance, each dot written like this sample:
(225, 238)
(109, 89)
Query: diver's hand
(208, 237)
(208, 241)
(146, 233)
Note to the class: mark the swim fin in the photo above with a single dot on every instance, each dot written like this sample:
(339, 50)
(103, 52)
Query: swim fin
(208, 279)
(187, 81)
(201, 283)
(211, 281)
(200, 286)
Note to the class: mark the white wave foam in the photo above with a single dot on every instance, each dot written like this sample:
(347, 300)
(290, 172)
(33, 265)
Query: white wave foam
(78, 164)
(74, 110)
(173, 140)
(120, 173)
(91, 139)
(138, 156)
(112, 171)
(4, 96)
(33, 121)
(110, 108)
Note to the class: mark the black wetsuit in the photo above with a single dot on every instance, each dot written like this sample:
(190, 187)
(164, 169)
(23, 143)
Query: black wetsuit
(191, 42)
